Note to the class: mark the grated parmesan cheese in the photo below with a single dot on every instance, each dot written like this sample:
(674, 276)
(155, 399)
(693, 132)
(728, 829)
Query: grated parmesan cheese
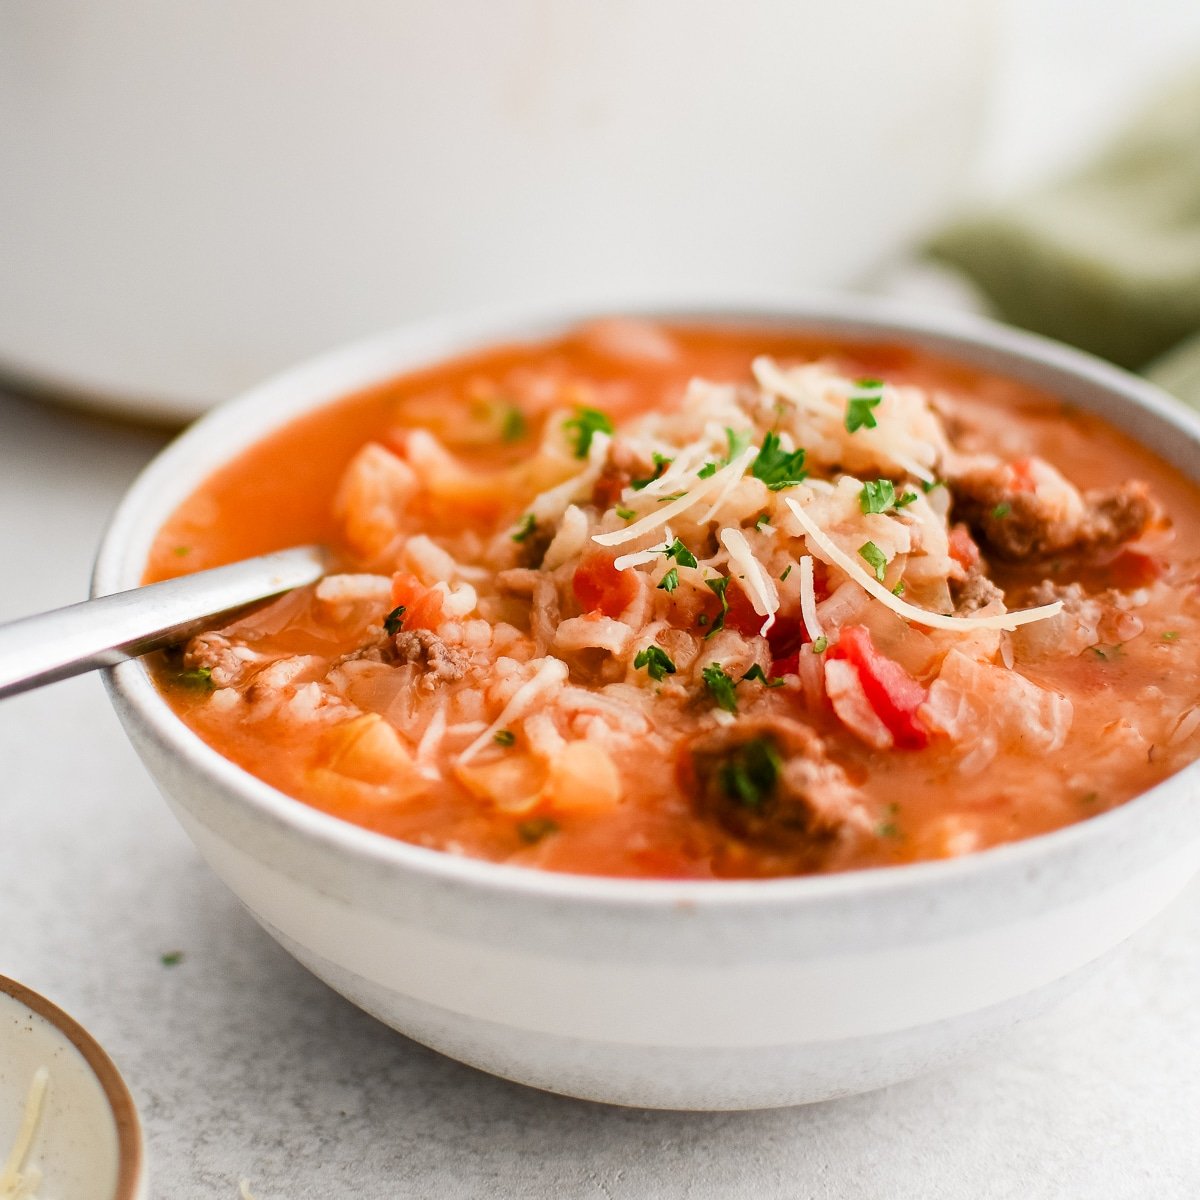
(760, 587)
(699, 489)
(17, 1182)
(808, 599)
(910, 612)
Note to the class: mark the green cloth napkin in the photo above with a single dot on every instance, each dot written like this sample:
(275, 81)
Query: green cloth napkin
(1107, 258)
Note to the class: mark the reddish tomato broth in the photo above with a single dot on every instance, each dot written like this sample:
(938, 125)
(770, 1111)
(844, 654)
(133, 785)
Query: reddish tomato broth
(281, 492)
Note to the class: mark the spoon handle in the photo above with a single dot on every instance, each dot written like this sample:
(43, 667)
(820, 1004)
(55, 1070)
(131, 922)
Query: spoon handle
(101, 632)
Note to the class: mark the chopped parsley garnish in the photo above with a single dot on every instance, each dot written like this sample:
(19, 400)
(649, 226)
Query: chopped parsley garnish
(756, 672)
(394, 620)
(737, 440)
(672, 496)
(702, 620)
(535, 829)
(927, 485)
(661, 463)
(525, 529)
(1107, 653)
(905, 500)
(875, 557)
(718, 588)
(877, 496)
(680, 553)
(657, 662)
(721, 686)
(776, 467)
(512, 424)
(888, 829)
(505, 738)
(762, 519)
(180, 551)
(898, 590)
(197, 678)
(626, 514)
(820, 645)
(751, 773)
(709, 468)
(172, 958)
(863, 401)
(1001, 511)
(1170, 635)
(583, 426)
(786, 572)
(670, 581)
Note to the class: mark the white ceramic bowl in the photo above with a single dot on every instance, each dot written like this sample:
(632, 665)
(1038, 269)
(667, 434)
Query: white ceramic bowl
(656, 993)
(87, 1142)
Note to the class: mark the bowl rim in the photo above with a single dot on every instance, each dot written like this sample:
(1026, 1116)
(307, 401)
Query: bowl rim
(342, 371)
(130, 1153)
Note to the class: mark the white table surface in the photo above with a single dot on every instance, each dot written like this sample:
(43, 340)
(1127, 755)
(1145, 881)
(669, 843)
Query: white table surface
(243, 1065)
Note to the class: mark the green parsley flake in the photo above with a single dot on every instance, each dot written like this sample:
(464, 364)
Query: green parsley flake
(907, 499)
(181, 551)
(820, 645)
(751, 773)
(721, 686)
(1170, 635)
(535, 829)
(670, 581)
(195, 679)
(680, 553)
(877, 496)
(394, 620)
(583, 426)
(776, 467)
(718, 587)
(927, 486)
(762, 519)
(657, 662)
(525, 528)
(756, 672)
(626, 514)
(709, 469)
(737, 440)
(898, 590)
(172, 958)
(661, 463)
(875, 557)
(786, 572)
(512, 424)
(862, 402)
(1001, 511)
(505, 738)
(672, 496)
(1107, 653)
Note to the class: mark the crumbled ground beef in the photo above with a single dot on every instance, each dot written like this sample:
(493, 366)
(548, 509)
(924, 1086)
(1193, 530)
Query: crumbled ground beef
(769, 782)
(439, 662)
(1019, 525)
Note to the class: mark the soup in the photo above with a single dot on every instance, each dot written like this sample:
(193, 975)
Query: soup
(702, 602)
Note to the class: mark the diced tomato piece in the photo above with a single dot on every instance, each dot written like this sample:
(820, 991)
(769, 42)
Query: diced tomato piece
(1132, 569)
(422, 605)
(963, 549)
(600, 587)
(890, 690)
(741, 615)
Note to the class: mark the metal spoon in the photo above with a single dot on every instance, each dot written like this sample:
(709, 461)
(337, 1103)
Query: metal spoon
(101, 632)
